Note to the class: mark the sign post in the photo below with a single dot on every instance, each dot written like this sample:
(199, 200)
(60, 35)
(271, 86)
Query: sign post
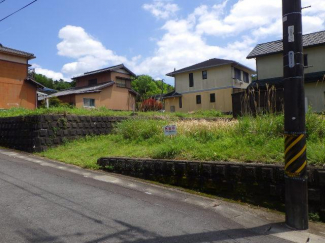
(296, 191)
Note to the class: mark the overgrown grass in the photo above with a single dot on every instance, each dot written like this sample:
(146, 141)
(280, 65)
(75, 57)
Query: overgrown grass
(106, 112)
(248, 139)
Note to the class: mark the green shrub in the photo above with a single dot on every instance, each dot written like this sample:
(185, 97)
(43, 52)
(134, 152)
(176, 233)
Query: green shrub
(208, 113)
(140, 130)
(315, 126)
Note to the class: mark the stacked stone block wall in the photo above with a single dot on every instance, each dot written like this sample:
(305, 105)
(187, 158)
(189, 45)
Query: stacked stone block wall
(38, 133)
(259, 184)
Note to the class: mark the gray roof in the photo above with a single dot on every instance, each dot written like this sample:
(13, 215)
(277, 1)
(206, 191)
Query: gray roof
(313, 39)
(214, 62)
(172, 94)
(113, 68)
(35, 82)
(16, 52)
(83, 90)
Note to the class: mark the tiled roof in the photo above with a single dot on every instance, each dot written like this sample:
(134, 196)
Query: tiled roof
(16, 52)
(278, 81)
(35, 83)
(113, 68)
(312, 39)
(214, 62)
(172, 94)
(83, 90)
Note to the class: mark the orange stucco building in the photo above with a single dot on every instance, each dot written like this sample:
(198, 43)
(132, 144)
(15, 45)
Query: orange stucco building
(16, 88)
(109, 87)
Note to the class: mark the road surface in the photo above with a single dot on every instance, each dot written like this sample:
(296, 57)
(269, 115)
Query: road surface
(47, 201)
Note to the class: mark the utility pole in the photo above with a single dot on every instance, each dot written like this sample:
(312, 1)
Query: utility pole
(296, 184)
(162, 89)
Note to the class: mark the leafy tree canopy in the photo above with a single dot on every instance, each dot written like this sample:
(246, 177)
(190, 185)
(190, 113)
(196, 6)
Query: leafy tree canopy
(146, 86)
(53, 84)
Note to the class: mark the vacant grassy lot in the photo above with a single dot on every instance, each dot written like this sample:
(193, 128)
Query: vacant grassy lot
(248, 139)
(106, 112)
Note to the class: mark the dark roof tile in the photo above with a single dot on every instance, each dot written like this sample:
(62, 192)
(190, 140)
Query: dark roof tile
(214, 62)
(83, 90)
(113, 68)
(16, 52)
(263, 49)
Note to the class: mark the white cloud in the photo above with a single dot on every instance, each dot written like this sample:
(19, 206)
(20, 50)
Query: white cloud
(49, 73)
(89, 52)
(162, 9)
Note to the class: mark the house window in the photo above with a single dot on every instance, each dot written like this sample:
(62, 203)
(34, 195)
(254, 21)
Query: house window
(92, 82)
(120, 83)
(246, 77)
(180, 102)
(212, 98)
(198, 99)
(89, 102)
(237, 74)
(191, 79)
(204, 74)
(305, 60)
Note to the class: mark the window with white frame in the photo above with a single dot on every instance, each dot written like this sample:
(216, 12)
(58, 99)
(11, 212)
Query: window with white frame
(88, 102)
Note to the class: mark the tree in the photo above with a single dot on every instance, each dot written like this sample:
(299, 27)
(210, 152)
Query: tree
(53, 84)
(146, 86)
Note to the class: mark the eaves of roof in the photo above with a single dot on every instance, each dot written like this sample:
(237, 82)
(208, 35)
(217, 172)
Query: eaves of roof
(273, 47)
(15, 52)
(35, 83)
(83, 90)
(208, 64)
(278, 81)
(133, 92)
(108, 69)
(172, 94)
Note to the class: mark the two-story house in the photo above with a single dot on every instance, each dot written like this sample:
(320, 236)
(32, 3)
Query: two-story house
(269, 64)
(109, 87)
(207, 85)
(16, 88)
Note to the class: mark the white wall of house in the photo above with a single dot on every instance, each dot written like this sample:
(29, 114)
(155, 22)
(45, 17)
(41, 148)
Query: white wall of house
(217, 77)
(315, 94)
(271, 66)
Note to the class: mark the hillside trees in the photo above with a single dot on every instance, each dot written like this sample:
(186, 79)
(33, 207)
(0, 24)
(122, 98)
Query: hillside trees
(53, 84)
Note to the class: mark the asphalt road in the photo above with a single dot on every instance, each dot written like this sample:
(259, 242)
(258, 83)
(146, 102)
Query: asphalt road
(44, 201)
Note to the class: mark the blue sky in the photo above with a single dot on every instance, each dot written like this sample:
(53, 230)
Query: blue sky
(152, 37)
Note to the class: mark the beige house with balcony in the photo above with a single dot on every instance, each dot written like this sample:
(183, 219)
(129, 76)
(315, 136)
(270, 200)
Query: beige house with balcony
(269, 65)
(109, 87)
(207, 85)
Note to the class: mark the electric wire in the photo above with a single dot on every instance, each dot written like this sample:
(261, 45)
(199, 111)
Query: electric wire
(17, 10)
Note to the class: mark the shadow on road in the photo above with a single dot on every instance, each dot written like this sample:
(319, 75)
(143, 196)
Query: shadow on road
(132, 234)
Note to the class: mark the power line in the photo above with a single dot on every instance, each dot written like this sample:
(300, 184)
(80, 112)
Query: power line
(17, 10)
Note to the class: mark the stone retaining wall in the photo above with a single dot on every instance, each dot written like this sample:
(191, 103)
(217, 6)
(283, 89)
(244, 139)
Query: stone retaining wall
(37, 133)
(254, 183)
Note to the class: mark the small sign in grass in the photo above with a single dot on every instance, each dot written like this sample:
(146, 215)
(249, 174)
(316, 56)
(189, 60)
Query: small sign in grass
(170, 130)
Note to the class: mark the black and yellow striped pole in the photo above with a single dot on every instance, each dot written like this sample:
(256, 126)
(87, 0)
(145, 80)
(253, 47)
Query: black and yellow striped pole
(296, 197)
